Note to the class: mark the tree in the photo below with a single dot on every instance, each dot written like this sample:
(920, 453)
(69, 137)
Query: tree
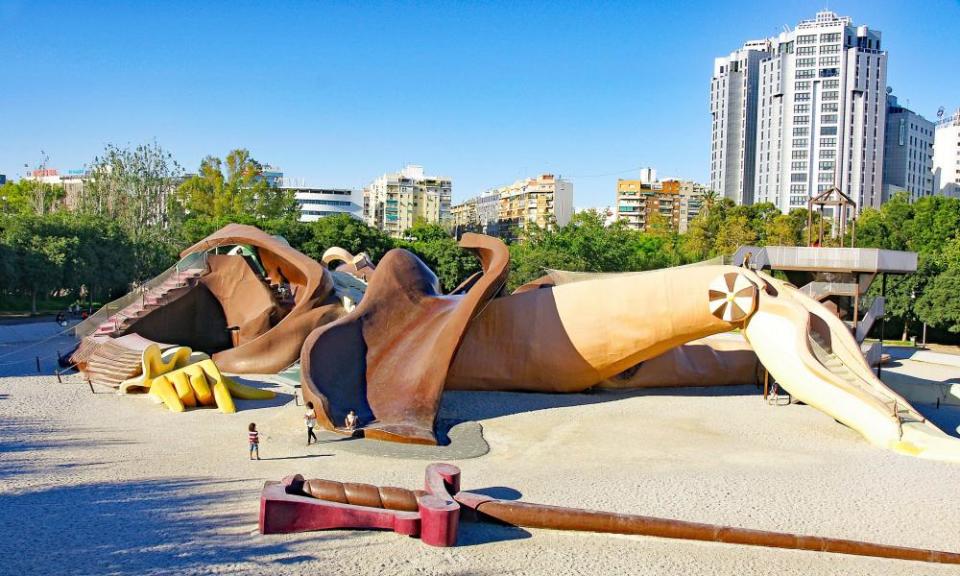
(133, 186)
(239, 194)
(735, 232)
(441, 253)
(28, 197)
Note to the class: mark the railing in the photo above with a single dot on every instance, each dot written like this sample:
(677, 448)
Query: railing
(114, 310)
(877, 310)
(820, 290)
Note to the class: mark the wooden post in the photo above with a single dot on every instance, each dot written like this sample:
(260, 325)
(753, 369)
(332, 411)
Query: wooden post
(90, 384)
(766, 383)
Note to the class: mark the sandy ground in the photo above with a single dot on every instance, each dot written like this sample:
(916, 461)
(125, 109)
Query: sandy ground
(102, 484)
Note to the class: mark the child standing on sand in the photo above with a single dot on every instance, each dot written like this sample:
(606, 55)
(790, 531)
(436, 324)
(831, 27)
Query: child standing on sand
(310, 418)
(254, 437)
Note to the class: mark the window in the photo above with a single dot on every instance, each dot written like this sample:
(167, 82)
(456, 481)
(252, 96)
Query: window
(805, 62)
(833, 37)
(801, 131)
(828, 142)
(803, 85)
(832, 94)
(828, 107)
(829, 72)
(807, 39)
(799, 154)
(801, 177)
(806, 50)
(798, 166)
(828, 154)
(801, 119)
(829, 119)
(802, 96)
(800, 142)
(806, 73)
(825, 177)
(830, 61)
(830, 84)
(830, 49)
(798, 188)
(827, 165)
(801, 108)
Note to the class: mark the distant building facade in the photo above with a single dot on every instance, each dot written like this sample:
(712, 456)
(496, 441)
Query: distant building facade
(946, 156)
(813, 101)
(692, 196)
(394, 202)
(908, 152)
(545, 201)
(317, 203)
(676, 201)
(637, 201)
(733, 107)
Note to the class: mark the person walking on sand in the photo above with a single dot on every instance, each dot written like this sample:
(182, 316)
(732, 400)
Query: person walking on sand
(254, 437)
(310, 418)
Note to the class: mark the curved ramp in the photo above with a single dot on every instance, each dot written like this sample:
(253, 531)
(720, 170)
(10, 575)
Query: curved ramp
(812, 355)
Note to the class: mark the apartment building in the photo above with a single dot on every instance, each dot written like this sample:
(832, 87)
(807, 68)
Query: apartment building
(638, 200)
(733, 108)
(819, 119)
(396, 201)
(946, 155)
(908, 152)
(545, 201)
(692, 196)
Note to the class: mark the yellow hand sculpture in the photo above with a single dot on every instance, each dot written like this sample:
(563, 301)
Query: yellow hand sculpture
(198, 384)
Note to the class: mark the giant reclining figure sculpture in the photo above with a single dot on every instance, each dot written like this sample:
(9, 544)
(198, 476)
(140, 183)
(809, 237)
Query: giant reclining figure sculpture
(392, 356)
(250, 308)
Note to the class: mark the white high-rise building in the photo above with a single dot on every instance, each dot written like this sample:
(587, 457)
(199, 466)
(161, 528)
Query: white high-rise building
(819, 117)
(733, 106)
(946, 156)
(907, 154)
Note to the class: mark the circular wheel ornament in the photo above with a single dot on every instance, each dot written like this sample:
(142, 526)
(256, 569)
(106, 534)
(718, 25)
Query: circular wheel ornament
(732, 297)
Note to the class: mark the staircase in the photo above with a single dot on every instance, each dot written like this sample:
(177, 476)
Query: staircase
(832, 362)
(112, 363)
(150, 300)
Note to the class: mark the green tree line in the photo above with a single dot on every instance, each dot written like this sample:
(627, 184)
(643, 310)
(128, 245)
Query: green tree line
(139, 209)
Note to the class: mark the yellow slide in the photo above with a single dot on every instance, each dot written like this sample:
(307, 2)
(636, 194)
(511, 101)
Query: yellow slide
(180, 386)
(812, 355)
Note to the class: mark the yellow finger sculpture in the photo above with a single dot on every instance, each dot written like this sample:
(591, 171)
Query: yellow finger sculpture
(179, 384)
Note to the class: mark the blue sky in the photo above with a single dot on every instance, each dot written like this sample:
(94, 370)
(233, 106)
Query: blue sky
(337, 93)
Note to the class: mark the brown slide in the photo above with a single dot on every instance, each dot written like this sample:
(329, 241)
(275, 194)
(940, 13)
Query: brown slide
(387, 360)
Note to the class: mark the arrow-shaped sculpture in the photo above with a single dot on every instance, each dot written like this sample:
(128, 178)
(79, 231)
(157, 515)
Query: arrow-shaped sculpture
(298, 505)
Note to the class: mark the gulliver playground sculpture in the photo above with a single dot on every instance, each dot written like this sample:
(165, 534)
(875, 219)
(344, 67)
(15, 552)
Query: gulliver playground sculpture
(385, 342)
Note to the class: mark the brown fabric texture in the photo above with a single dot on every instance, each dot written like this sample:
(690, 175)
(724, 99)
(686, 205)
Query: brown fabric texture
(388, 359)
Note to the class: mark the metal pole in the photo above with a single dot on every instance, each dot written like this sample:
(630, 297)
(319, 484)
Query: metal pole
(883, 320)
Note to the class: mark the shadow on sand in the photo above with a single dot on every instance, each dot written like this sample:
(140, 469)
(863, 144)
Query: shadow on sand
(469, 405)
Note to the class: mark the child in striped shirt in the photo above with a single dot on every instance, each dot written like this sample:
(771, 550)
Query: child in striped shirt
(254, 438)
